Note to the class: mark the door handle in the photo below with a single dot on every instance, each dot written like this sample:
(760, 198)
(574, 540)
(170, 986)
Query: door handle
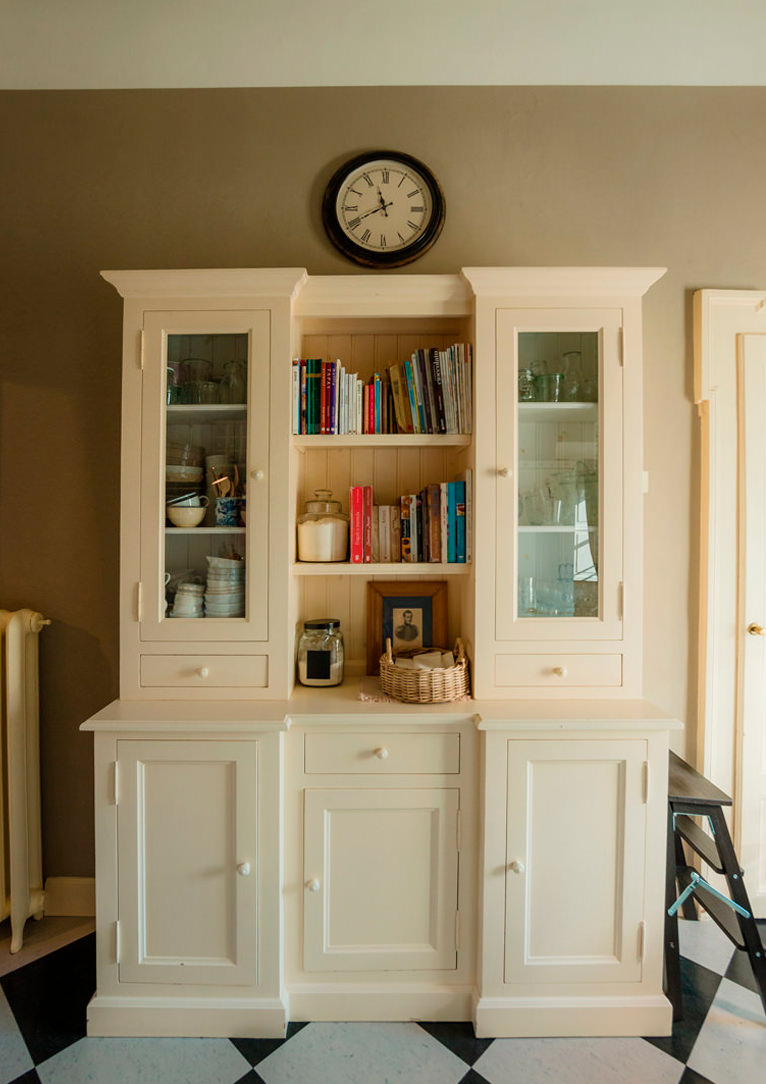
(756, 630)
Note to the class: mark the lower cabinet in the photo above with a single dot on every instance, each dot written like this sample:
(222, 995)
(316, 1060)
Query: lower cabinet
(187, 840)
(379, 868)
(380, 925)
(573, 894)
(188, 919)
(381, 879)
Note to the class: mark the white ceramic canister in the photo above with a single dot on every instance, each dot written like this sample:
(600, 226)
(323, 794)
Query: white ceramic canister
(323, 529)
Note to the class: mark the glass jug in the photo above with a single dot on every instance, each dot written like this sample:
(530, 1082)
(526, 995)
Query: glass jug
(234, 383)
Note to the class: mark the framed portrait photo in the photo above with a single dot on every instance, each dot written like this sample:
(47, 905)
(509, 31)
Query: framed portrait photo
(410, 613)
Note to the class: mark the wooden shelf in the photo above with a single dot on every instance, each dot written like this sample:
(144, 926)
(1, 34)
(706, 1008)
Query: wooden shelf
(205, 530)
(558, 412)
(556, 528)
(203, 413)
(398, 568)
(383, 440)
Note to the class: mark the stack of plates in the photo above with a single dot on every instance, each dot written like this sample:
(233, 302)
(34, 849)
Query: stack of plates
(225, 590)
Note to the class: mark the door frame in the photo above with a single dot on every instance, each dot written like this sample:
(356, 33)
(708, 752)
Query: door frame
(721, 319)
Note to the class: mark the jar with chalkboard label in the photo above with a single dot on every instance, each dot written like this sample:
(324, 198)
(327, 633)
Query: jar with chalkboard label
(320, 652)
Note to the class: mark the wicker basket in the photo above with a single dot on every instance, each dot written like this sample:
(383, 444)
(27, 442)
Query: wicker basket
(434, 686)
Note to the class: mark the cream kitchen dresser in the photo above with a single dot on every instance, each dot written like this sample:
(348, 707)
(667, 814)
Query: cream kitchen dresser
(268, 852)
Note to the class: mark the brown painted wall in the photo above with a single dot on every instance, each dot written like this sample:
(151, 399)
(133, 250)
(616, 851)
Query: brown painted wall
(233, 178)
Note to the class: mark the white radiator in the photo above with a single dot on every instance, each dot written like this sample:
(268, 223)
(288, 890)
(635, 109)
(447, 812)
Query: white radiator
(21, 875)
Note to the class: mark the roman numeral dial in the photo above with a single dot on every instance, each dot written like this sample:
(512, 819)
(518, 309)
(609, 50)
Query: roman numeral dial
(383, 209)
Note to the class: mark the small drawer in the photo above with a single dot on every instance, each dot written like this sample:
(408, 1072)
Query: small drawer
(558, 671)
(205, 671)
(377, 753)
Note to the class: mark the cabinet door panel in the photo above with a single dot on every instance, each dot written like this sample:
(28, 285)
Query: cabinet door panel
(182, 445)
(575, 861)
(380, 879)
(559, 488)
(186, 822)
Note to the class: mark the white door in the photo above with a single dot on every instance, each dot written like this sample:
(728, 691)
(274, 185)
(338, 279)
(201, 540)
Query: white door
(380, 879)
(576, 832)
(752, 623)
(187, 839)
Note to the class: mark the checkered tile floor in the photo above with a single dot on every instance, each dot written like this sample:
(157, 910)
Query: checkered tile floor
(722, 1039)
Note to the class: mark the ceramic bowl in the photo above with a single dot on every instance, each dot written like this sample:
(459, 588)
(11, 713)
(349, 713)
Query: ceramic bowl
(174, 473)
(184, 515)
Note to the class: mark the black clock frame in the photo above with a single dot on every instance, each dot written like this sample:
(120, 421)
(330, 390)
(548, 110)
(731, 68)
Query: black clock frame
(362, 255)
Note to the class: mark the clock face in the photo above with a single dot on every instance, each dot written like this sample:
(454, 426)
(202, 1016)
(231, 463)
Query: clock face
(383, 209)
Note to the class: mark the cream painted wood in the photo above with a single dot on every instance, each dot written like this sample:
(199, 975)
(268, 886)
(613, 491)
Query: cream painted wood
(572, 882)
(188, 847)
(155, 625)
(377, 752)
(271, 292)
(569, 294)
(728, 326)
(752, 588)
(606, 324)
(206, 671)
(358, 982)
(558, 670)
(187, 943)
(380, 879)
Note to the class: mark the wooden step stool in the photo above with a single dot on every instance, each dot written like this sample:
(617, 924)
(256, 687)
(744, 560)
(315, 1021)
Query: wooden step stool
(692, 795)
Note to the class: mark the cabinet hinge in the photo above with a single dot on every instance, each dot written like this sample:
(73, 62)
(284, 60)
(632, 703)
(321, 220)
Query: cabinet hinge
(621, 600)
(141, 341)
(458, 830)
(139, 602)
(642, 942)
(117, 941)
(457, 930)
(645, 782)
(115, 783)
(621, 345)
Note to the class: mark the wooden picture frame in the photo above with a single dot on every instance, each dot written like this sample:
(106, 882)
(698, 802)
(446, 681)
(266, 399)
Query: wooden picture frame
(412, 605)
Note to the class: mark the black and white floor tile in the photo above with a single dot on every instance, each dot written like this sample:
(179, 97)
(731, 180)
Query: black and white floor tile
(721, 1039)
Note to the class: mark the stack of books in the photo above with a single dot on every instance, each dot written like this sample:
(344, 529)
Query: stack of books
(432, 526)
(432, 392)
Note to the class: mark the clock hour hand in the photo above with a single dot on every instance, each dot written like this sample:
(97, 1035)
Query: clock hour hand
(383, 203)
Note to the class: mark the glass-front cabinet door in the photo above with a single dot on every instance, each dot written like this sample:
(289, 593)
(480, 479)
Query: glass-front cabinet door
(204, 478)
(559, 486)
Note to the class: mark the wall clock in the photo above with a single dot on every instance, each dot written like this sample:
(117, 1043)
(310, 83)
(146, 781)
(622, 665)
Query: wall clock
(383, 209)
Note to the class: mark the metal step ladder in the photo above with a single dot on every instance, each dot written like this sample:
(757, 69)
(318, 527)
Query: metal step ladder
(691, 795)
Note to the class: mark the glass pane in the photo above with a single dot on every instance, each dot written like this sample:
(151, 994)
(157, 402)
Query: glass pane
(558, 474)
(205, 471)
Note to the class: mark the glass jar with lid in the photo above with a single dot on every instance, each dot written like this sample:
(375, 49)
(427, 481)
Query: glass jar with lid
(322, 529)
(320, 652)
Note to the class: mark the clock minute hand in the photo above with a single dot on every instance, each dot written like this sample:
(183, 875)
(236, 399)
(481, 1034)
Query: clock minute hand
(375, 210)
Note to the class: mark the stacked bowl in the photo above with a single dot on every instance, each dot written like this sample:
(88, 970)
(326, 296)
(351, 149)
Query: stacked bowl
(225, 590)
(188, 601)
(184, 471)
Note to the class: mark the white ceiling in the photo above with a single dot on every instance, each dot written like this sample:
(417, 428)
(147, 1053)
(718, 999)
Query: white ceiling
(61, 44)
